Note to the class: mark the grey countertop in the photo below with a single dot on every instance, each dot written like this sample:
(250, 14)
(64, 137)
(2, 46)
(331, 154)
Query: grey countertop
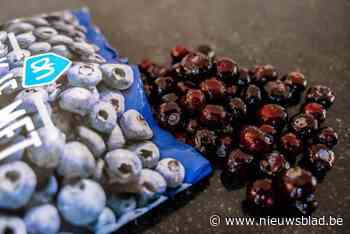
(310, 35)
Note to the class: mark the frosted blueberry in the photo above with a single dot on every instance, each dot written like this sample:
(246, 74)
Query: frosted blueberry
(134, 126)
(77, 100)
(92, 140)
(17, 155)
(147, 152)
(37, 21)
(29, 95)
(12, 225)
(84, 75)
(82, 48)
(20, 27)
(39, 47)
(53, 91)
(172, 170)
(151, 185)
(123, 166)
(81, 203)
(102, 117)
(46, 194)
(116, 139)
(115, 98)
(60, 40)
(16, 58)
(62, 50)
(42, 220)
(94, 58)
(25, 39)
(107, 217)
(48, 154)
(122, 203)
(117, 76)
(76, 161)
(3, 36)
(17, 184)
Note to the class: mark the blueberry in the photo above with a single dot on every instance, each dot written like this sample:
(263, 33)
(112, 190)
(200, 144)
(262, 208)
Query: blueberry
(25, 39)
(17, 155)
(12, 225)
(17, 184)
(115, 98)
(117, 76)
(16, 58)
(122, 203)
(39, 47)
(29, 95)
(81, 203)
(147, 152)
(116, 139)
(60, 39)
(134, 126)
(62, 50)
(46, 194)
(76, 161)
(84, 75)
(172, 170)
(42, 220)
(151, 185)
(123, 166)
(92, 140)
(106, 218)
(77, 100)
(45, 32)
(103, 117)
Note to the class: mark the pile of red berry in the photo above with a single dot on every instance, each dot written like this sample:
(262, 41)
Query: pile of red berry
(242, 119)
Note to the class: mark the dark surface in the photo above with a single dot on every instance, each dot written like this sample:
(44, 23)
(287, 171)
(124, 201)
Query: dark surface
(311, 35)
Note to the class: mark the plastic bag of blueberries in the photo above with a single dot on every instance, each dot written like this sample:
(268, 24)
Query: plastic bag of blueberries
(83, 153)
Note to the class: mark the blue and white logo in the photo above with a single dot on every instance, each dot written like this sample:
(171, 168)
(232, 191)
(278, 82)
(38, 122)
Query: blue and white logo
(43, 69)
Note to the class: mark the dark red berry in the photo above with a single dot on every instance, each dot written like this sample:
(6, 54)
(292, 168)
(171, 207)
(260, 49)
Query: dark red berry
(226, 68)
(277, 92)
(252, 98)
(191, 126)
(184, 86)
(236, 111)
(243, 78)
(225, 144)
(268, 129)
(170, 115)
(170, 97)
(205, 141)
(180, 136)
(154, 71)
(272, 114)
(194, 100)
(303, 125)
(206, 50)
(273, 164)
(145, 65)
(264, 73)
(327, 136)
(163, 85)
(253, 140)
(320, 94)
(296, 81)
(319, 159)
(232, 91)
(178, 53)
(316, 110)
(149, 91)
(297, 184)
(290, 145)
(213, 89)
(239, 164)
(195, 64)
(213, 116)
(261, 193)
(306, 206)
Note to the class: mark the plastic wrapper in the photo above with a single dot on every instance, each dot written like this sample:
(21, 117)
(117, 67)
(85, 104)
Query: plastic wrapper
(55, 33)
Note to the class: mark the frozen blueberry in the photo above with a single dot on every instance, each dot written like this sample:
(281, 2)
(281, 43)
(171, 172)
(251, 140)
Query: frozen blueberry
(151, 185)
(25, 39)
(77, 100)
(17, 155)
(107, 217)
(17, 184)
(62, 50)
(16, 58)
(39, 47)
(123, 166)
(12, 225)
(327, 136)
(116, 139)
(103, 117)
(147, 152)
(92, 140)
(84, 75)
(27, 96)
(115, 98)
(42, 220)
(61, 39)
(117, 76)
(172, 170)
(122, 203)
(45, 33)
(76, 161)
(47, 155)
(46, 194)
(134, 126)
(81, 203)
